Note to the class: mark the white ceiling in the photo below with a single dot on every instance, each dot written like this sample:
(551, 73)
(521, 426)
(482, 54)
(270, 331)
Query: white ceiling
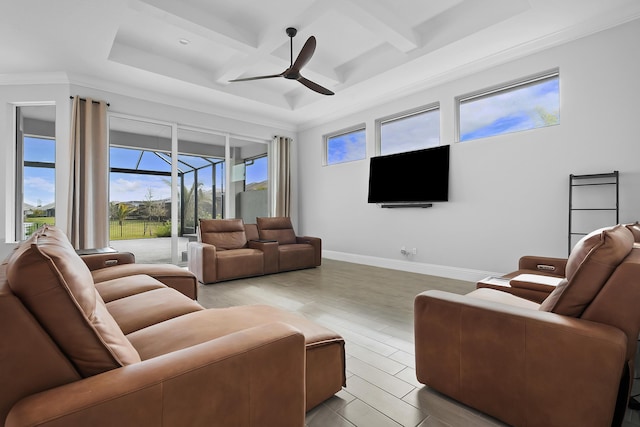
(368, 51)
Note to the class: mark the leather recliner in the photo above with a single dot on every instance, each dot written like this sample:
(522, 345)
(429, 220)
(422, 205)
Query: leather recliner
(294, 252)
(568, 361)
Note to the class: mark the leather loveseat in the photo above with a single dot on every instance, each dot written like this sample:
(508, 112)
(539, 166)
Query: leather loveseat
(230, 249)
(131, 351)
(566, 362)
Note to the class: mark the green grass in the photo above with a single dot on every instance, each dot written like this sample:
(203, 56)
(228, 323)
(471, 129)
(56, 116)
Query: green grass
(136, 229)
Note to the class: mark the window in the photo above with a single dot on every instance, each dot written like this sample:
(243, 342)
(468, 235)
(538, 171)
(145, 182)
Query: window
(35, 169)
(346, 146)
(409, 131)
(256, 174)
(526, 104)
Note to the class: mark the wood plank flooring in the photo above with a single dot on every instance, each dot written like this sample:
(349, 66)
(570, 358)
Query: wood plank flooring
(372, 308)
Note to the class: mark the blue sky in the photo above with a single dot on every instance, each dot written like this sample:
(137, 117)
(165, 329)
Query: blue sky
(411, 133)
(39, 183)
(347, 147)
(511, 111)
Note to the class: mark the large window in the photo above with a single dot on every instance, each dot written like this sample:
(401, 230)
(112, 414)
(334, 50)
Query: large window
(35, 169)
(409, 131)
(345, 146)
(522, 105)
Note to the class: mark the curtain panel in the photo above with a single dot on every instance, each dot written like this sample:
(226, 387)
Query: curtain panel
(88, 221)
(282, 176)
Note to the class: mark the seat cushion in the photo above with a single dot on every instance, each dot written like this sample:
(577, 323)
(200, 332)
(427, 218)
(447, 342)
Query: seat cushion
(171, 275)
(276, 228)
(56, 286)
(223, 233)
(111, 290)
(296, 256)
(148, 308)
(503, 298)
(590, 264)
(239, 263)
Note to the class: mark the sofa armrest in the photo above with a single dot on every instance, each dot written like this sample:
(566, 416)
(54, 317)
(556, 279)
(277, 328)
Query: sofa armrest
(253, 377)
(270, 252)
(544, 265)
(201, 261)
(316, 242)
(523, 366)
(98, 261)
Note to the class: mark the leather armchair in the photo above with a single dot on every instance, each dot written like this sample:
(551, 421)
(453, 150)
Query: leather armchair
(294, 252)
(223, 252)
(567, 361)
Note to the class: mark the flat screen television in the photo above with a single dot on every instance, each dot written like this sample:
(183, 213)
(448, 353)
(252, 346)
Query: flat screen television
(413, 177)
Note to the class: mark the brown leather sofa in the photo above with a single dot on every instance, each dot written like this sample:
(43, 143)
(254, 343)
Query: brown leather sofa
(565, 362)
(230, 249)
(132, 351)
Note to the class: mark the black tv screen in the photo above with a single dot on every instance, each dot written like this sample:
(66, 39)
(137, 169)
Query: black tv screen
(411, 177)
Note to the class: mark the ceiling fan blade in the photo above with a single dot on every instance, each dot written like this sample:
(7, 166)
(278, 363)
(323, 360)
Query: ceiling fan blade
(315, 86)
(257, 78)
(305, 54)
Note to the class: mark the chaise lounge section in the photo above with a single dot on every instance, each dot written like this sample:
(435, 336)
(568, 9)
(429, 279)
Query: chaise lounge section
(133, 351)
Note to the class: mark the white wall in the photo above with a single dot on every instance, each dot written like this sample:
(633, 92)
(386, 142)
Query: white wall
(141, 105)
(508, 194)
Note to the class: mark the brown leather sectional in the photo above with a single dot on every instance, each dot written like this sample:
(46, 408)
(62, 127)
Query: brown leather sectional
(568, 361)
(230, 249)
(132, 351)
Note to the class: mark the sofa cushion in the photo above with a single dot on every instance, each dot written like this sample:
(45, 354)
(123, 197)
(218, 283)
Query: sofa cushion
(590, 264)
(296, 256)
(276, 228)
(223, 233)
(56, 286)
(169, 274)
(635, 230)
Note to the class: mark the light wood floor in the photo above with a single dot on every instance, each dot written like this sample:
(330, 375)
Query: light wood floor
(372, 308)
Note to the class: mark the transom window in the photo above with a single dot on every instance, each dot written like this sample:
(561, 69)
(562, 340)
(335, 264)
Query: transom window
(521, 105)
(345, 146)
(409, 131)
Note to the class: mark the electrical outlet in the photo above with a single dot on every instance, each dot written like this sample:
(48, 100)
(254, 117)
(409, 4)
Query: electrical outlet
(414, 251)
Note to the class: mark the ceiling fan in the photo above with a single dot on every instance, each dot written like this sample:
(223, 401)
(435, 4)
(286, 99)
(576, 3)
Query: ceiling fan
(293, 72)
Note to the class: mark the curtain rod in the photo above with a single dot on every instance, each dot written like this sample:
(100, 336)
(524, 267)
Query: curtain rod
(93, 101)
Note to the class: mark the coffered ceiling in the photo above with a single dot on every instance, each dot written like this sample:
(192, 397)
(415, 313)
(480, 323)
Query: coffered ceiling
(185, 52)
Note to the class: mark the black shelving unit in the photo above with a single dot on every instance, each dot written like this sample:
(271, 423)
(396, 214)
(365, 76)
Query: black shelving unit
(611, 179)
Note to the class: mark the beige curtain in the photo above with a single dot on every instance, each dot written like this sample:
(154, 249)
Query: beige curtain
(88, 190)
(282, 176)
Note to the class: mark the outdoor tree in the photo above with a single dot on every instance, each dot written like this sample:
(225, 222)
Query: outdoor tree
(123, 210)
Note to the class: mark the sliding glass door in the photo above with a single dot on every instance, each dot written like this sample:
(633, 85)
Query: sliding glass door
(213, 175)
(140, 188)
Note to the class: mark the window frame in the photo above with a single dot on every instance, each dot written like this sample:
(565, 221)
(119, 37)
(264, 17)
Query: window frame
(434, 106)
(497, 89)
(361, 127)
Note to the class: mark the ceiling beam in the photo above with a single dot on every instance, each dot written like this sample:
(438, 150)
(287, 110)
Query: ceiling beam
(380, 20)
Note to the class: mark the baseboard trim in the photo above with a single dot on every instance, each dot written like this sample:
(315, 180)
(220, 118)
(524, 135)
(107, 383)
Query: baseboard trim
(411, 267)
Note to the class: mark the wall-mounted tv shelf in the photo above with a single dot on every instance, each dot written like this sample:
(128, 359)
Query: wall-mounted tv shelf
(405, 205)
(602, 203)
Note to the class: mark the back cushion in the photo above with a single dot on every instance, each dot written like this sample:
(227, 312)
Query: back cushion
(635, 230)
(276, 228)
(56, 286)
(590, 264)
(223, 233)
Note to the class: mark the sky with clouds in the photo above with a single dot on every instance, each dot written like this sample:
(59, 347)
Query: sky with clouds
(511, 111)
